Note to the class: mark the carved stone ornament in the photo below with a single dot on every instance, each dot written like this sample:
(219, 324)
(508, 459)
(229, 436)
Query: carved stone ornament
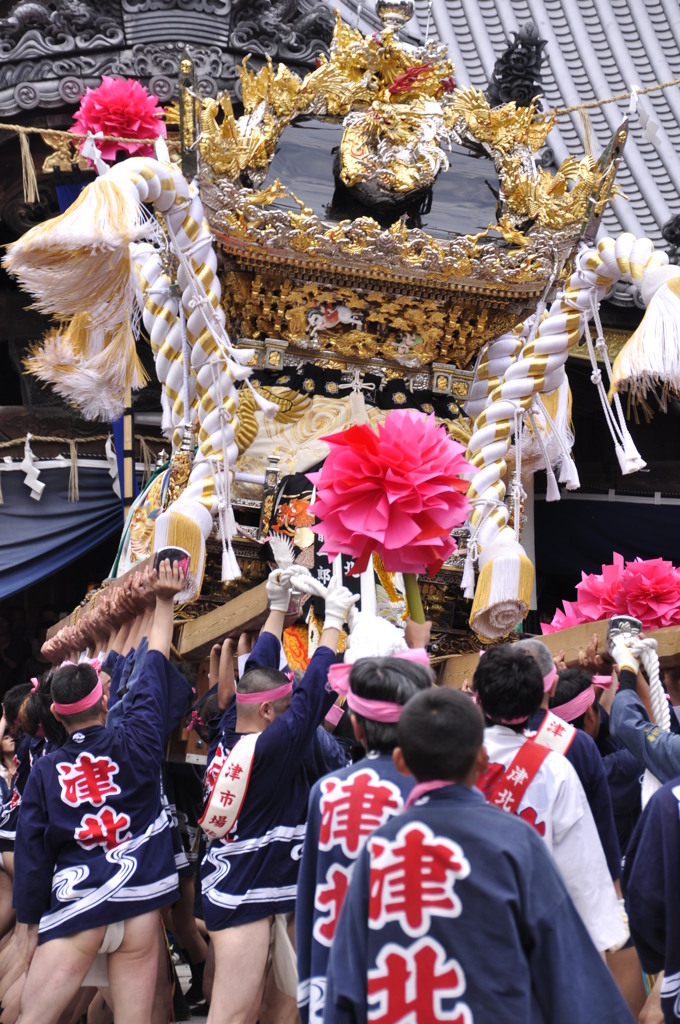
(33, 30)
(290, 30)
(51, 52)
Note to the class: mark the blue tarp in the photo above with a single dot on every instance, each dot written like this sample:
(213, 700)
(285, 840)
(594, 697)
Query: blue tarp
(37, 538)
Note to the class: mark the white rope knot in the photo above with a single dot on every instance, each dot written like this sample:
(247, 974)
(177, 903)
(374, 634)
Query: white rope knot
(596, 377)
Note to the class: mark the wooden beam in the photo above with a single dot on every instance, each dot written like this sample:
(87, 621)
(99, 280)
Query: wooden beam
(244, 613)
(571, 641)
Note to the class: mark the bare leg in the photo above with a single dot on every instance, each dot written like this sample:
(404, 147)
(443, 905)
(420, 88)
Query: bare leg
(11, 964)
(277, 1007)
(627, 973)
(652, 1012)
(56, 973)
(133, 970)
(99, 1012)
(10, 1010)
(209, 973)
(185, 928)
(77, 1007)
(162, 1000)
(7, 916)
(241, 955)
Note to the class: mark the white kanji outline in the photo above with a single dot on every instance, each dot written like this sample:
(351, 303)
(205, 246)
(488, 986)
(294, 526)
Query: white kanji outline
(328, 914)
(333, 784)
(382, 856)
(378, 1006)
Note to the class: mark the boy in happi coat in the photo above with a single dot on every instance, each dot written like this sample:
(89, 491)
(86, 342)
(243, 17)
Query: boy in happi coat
(541, 786)
(94, 859)
(347, 805)
(580, 750)
(455, 911)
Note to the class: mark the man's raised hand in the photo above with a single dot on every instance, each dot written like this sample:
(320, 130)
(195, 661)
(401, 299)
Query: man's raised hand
(169, 580)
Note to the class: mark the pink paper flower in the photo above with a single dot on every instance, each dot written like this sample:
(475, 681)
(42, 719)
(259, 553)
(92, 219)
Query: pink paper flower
(397, 492)
(569, 615)
(122, 107)
(597, 592)
(650, 590)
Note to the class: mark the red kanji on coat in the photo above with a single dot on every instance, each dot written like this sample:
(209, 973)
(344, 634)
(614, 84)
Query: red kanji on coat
(88, 780)
(105, 828)
(412, 879)
(416, 984)
(328, 899)
(234, 771)
(218, 820)
(353, 808)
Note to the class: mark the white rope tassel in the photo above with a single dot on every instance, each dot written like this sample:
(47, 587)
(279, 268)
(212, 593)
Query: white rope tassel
(634, 460)
(552, 489)
(467, 582)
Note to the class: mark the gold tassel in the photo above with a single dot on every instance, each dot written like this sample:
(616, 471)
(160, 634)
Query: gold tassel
(503, 591)
(29, 180)
(184, 533)
(73, 489)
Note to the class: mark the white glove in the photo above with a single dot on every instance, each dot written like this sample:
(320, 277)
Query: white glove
(623, 656)
(278, 592)
(339, 600)
(292, 574)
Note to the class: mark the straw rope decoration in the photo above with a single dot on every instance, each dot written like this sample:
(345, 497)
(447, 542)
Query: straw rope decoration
(503, 591)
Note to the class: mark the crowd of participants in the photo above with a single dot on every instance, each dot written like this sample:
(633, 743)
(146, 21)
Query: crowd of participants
(363, 846)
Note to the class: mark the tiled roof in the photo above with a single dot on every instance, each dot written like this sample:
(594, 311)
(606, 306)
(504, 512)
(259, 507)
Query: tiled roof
(596, 49)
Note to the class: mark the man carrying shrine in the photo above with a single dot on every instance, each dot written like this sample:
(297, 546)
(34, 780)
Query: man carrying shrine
(541, 786)
(94, 860)
(456, 911)
(255, 816)
(580, 750)
(347, 805)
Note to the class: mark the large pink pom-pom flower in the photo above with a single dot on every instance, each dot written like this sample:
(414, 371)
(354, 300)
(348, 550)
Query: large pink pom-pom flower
(122, 107)
(397, 492)
(597, 593)
(650, 590)
(565, 617)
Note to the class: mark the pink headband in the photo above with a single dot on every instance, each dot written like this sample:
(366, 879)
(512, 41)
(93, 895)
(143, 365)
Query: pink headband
(374, 710)
(549, 679)
(80, 705)
(576, 707)
(260, 696)
(604, 682)
(35, 684)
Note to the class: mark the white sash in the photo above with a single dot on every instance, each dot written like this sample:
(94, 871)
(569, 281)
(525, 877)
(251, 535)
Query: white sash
(555, 733)
(229, 791)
